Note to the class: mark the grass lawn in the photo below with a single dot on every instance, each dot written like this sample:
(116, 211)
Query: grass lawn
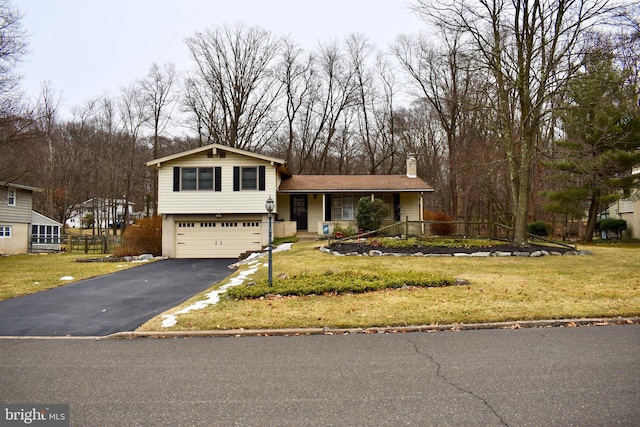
(606, 284)
(28, 274)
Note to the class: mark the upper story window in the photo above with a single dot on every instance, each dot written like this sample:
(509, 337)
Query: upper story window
(249, 178)
(11, 196)
(204, 178)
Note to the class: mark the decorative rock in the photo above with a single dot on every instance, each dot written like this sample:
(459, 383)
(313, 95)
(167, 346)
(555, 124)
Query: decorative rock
(461, 254)
(145, 257)
(437, 255)
(555, 253)
(337, 253)
(375, 252)
(418, 254)
(501, 253)
(481, 254)
(353, 254)
(522, 254)
(325, 250)
(570, 253)
(536, 254)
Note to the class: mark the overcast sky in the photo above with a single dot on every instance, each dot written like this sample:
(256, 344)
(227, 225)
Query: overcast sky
(86, 48)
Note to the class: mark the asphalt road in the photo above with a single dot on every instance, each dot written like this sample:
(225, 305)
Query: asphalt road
(116, 302)
(585, 376)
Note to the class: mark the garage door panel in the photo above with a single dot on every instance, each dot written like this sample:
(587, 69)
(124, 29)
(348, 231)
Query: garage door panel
(217, 239)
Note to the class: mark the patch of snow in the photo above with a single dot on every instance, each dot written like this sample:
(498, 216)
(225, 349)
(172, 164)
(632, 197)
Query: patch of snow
(66, 278)
(212, 298)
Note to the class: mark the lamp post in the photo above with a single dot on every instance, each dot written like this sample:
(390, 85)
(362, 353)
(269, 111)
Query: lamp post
(269, 206)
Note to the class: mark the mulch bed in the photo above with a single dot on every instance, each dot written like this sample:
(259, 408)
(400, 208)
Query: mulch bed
(346, 248)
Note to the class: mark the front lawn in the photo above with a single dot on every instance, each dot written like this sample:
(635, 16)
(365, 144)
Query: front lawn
(605, 284)
(28, 274)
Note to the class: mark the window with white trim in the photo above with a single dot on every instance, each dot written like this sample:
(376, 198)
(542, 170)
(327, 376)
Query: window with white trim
(249, 178)
(344, 206)
(11, 196)
(5, 231)
(45, 233)
(197, 178)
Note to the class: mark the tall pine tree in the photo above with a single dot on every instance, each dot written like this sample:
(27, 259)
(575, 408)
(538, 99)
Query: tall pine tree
(601, 124)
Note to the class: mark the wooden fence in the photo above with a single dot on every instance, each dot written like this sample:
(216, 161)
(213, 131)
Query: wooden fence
(94, 244)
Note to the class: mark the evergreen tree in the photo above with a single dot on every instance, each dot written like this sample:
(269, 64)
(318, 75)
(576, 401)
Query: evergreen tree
(601, 124)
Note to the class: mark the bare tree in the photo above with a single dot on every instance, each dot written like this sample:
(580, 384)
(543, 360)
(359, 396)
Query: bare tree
(234, 91)
(158, 92)
(296, 71)
(527, 48)
(133, 115)
(13, 46)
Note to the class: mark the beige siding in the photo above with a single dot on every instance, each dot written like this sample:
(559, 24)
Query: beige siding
(410, 206)
(18, 243)
(212, 202)
(316, 212)
(284, 207)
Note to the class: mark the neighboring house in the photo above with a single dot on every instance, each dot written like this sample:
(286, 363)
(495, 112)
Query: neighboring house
(45, 233)
(16, 201)
(105, 213)
(627, 209)
(212, 200)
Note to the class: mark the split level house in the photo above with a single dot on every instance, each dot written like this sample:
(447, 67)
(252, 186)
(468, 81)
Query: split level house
(212, 200)
(23, 230)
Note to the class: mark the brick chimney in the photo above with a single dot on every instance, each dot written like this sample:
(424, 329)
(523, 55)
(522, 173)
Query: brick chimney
(412, 166)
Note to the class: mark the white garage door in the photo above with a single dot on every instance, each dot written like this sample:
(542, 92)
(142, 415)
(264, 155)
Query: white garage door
(216, 239)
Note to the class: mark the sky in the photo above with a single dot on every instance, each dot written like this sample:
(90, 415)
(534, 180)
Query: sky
(87, 48)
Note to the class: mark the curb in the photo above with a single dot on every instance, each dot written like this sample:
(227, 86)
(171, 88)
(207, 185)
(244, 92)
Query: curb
(559, 323)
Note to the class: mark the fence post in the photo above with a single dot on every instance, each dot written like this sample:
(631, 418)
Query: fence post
(406, 228)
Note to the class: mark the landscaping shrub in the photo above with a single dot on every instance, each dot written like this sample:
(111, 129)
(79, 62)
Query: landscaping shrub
(538, 228)
(143, 237)
(616, 226)
(440, 228)
(371, 213)
(337, 283)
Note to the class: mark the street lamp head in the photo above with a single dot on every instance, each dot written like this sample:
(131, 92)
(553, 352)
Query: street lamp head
(270, 205)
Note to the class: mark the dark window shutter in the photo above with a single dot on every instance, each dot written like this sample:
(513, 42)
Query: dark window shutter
(218, 178)
(236, 178)
(176, 178)
(396, 206)
(327, 207)
(262, 171)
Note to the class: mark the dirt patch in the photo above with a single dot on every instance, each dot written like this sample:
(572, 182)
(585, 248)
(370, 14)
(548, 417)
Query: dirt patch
(348, 248)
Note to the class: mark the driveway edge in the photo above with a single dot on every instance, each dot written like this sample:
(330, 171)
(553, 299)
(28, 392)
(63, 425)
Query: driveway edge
(567, 323)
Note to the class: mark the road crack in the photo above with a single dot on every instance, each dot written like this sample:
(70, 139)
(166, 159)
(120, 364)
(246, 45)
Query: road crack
(441, 375)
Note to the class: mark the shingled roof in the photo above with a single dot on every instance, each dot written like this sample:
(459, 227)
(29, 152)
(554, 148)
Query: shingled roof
(352, 183)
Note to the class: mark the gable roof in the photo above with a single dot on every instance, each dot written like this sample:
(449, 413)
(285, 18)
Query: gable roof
(352, 183)
(214, 148)
(20, 186)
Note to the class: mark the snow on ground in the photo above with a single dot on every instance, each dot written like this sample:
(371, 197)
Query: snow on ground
(213, 297)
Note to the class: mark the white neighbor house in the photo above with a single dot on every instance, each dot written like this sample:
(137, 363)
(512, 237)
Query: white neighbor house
(105, 212)
(212, 200)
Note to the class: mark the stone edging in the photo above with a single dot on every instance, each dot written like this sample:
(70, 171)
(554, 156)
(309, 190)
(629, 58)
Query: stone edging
(479, 254)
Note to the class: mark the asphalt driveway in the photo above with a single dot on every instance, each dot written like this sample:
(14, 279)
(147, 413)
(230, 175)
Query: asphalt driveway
(113, 303)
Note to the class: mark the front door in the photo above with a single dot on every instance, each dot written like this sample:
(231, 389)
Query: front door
(299, 211)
